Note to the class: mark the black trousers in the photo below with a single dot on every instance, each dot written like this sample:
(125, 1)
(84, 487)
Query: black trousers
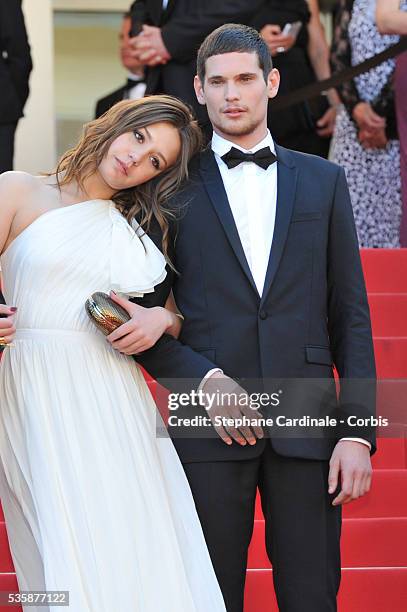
(302, 527)
(7, 131)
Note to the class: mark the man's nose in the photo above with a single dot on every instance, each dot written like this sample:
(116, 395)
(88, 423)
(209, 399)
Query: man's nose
(231, 92)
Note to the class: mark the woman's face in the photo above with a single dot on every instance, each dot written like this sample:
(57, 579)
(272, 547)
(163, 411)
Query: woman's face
(136, 157)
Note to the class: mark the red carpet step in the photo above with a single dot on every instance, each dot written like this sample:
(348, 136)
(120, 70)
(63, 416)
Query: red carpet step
(388, 312)
(391, 357)
(385, 270)
(384, 499)
(367, 542)
(362, 590)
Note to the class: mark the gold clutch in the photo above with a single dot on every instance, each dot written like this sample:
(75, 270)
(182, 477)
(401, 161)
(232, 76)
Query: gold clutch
(105, 313)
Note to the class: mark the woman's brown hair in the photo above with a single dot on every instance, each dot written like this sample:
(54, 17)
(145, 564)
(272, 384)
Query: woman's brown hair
(149, 199)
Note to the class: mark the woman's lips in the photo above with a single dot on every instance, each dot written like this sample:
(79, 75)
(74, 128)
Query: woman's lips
(122, 166)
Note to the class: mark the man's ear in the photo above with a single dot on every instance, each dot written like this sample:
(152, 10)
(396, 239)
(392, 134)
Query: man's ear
(273, 83)
(199, 92)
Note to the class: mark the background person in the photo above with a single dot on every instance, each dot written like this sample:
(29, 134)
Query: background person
(15, 68)
(391, 16)
(365, 139)
(301, 60)
(135, 86)
(172, 31)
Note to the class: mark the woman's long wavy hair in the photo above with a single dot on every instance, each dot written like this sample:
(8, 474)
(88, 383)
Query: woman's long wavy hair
(149, 199)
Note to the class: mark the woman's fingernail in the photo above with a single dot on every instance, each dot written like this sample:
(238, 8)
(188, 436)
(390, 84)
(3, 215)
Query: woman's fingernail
(13, 308)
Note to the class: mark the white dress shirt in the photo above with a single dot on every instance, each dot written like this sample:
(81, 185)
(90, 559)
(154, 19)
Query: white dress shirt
(139, 89)
(252, 196)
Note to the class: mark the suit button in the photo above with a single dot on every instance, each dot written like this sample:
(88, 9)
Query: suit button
(263, 315)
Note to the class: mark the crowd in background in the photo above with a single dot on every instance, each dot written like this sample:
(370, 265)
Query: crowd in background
(360, 125)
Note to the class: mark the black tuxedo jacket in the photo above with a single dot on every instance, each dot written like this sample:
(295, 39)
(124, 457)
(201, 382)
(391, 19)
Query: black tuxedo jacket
(184, 25)
(110, 100)
(15, 61)
(313, 313)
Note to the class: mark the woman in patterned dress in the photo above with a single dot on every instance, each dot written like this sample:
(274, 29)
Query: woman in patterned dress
(365, 140)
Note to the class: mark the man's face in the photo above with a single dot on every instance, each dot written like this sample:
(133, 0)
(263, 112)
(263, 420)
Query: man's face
(129, 62)
(236, 94)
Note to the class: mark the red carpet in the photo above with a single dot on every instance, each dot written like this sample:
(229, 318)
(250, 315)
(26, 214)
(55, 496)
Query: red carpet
(374, 542)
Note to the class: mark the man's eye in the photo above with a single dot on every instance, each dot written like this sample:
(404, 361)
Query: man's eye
(156, 162)
(216, 82)
(139, 136)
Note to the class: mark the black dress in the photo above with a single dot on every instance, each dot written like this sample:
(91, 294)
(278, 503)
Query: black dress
(293, 127)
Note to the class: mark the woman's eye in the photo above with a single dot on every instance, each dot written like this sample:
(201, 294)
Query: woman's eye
(156, 162)
(139, 136)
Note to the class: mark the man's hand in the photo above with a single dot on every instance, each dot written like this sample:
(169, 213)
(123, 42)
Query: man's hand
(231, 410)
(149, 47)
(143, 330)
(350, 461)
(7, 329)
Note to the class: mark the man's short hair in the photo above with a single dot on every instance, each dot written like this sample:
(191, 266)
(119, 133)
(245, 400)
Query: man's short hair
(234, 38)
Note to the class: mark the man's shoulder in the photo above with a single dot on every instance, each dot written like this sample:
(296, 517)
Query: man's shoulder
(308, 162)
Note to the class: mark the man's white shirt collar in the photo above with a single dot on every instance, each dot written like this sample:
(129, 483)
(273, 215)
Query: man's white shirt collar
(221, 146)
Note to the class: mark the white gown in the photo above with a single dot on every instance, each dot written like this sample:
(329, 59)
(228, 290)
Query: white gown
(95, 504)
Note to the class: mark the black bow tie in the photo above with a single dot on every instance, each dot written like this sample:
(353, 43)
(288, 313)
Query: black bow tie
(263, 158)
(133, 82)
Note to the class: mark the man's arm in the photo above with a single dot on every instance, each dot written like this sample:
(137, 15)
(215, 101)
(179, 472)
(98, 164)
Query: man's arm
(183, 35)
(14, 43)
(349, 318)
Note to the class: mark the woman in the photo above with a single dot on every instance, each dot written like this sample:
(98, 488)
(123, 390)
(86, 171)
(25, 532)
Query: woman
(391, 17)
(301, 60)
(95, 504)
(365, 140)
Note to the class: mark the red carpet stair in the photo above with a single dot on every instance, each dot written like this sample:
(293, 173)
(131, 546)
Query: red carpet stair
(374, 541)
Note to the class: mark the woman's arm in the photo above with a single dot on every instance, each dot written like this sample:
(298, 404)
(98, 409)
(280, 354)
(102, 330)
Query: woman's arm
(389, 18)
(318, 50)
(8, 193)
(341, 57)
(145, 326)
(318, 53)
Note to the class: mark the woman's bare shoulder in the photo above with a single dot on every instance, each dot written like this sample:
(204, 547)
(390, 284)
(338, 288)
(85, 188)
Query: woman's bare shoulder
(15, 182)
(16, 187)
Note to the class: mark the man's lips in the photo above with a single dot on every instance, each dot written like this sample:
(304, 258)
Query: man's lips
(234, 111)
(122, 166)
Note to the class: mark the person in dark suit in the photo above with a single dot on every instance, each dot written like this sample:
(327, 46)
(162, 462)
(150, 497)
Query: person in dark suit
(135, 86)
(171, 32)
(270, 284)
(15, 68)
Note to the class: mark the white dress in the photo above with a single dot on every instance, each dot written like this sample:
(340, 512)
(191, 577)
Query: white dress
(95, 503)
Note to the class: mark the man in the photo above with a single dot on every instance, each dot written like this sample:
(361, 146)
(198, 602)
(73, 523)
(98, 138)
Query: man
(271, 287)
(171, 32)
(135, 86)
(15, 68)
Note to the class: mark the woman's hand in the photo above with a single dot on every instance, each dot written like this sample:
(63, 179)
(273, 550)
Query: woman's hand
(143, 330)
(276, 42)
(7, 329)
(366, 118)
(326, 124)
(375, 139)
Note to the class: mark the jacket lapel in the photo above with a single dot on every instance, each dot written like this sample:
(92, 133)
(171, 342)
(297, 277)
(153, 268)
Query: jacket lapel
(286, 189)
(212, 180)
